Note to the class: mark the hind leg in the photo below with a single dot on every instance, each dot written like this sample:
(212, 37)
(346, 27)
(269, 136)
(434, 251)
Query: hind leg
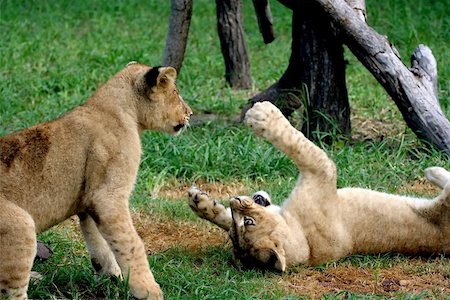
(102, 258)
(437, 212)
(17, 248)
(437, 175)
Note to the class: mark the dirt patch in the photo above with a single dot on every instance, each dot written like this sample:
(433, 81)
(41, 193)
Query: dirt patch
(420, 187)
(159, 235)
(375, 129)
(222, 191)
(386, 282)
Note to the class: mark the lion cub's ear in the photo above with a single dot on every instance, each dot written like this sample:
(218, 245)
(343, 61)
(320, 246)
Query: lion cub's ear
(160, 77)
(271, 253)
(280, 261)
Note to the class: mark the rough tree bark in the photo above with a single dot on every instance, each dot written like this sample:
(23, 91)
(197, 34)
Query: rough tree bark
(177, 36)
(315, 76)
(265, 21)
(413, 90)
(359, 7)
(232, 43)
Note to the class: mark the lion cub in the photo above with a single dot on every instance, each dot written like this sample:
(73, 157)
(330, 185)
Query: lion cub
(319, 222)
(85, 163)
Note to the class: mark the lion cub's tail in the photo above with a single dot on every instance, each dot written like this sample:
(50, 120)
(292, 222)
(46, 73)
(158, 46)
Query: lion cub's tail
(439, 211)
(438, 176)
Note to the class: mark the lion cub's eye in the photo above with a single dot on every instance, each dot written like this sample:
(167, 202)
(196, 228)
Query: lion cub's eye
(249, 221)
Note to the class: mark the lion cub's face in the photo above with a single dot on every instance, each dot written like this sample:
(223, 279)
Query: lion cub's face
(257, 232)
(159, 106)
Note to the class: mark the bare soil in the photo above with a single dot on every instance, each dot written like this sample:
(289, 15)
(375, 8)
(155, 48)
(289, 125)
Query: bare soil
(383, 281)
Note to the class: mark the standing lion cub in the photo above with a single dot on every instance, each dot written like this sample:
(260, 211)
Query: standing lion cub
(85, 163)
(319, 222)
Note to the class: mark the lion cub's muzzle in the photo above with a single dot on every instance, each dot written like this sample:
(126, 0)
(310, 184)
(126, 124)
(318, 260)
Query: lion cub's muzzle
(179, 127)
(241, 203)
(183, 124)
(187, 115)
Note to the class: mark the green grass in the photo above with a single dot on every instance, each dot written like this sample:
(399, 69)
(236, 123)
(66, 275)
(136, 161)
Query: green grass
(55, 53)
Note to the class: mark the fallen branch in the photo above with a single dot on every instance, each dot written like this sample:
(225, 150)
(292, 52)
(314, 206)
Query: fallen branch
(409, 88)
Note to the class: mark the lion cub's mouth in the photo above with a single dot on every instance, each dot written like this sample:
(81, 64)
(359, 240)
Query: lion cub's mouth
(179, 127)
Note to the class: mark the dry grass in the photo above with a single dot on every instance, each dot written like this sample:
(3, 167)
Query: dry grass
(372, 129)
(420, 187)
(384, 281)
(162, 235)
(176, 190)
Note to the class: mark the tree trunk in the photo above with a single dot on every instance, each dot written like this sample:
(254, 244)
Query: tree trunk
(315, 77)
(177, 36)
(232, 42)
(414, 91)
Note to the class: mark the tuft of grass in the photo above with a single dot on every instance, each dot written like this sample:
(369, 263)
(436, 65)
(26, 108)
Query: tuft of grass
(207, 275)
(205, 152)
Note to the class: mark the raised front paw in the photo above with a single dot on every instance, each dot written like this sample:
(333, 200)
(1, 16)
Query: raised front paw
(263, 117)
(200, 203)
(209, 209)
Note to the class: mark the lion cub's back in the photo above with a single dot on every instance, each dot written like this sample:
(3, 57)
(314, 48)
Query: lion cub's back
(43, 166)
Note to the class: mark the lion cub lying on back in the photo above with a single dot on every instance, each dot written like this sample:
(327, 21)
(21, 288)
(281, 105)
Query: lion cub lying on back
(319, 222)
(85, 163)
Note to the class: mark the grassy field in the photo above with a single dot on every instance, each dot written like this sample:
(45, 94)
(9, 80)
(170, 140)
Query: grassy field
(55, 53)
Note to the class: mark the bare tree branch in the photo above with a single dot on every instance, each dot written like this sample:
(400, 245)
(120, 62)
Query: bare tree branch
(415, 100)
(264, 16)
(359, 6)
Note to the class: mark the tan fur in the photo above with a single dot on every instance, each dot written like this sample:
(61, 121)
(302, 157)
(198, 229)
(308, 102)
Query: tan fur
(85, 163)
(318, 222)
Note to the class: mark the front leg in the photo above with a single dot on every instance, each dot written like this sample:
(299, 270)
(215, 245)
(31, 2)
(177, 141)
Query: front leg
(113, 220)
(266, 120)
(208, 209)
